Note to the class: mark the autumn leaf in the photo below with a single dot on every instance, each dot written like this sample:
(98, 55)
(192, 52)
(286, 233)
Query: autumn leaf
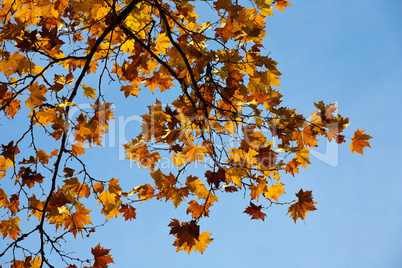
(42, 156)
(114, 186)
(77, 148)
(198, 210)
(29, 177)
(37, 96)
(255, 212)
(102, 257)
(89, 92)
(128, 212)
(3, 198)
(13, 204)
(359, 141)
(302, 206)
(162, 43)
(10, 228)
(274, 191)
(194, 152)
(130, 90)
(98, 187)
(77, 221)
(188, 237)
(281, 4)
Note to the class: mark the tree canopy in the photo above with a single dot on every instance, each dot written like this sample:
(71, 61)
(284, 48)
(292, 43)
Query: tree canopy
(227, 115)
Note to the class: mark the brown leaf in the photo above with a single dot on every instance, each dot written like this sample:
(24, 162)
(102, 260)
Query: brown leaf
(255, 212)
(102, 257)
(302, 206)
(128, 212)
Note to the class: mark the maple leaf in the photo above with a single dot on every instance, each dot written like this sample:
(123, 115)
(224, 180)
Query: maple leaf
(292, 167)
(114, 186)
(77, 149)
(306, 137)
(111, 204)
(197, 210)
(359, 141)
(162, 44)
(178, 159)
(42, 156)
(281, 4)
(3, 198)
(275, 191)
(69, 172)
(255, 212)
(187, 234)
(89, 92)
(77, 221)
(29, 177)
(216, 177)
(200, 244)
(37, 96)
(130, 90)
(10, 227)
(128, 212)
(257, 190)
(146, 192)
(302, 206)
(195, 152)
(13, 204)
(9, 151)
(102, 257)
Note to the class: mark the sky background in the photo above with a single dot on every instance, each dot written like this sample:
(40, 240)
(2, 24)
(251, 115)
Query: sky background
(342, 51)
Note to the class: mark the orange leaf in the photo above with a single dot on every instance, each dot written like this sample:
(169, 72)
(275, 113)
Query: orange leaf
(359, 141)
(98, 187)
(281, 4)
(114, 186)
(102, 257)
(197, 210)
(302, 206)
(77, 148)
(37, 96)
(76, 222)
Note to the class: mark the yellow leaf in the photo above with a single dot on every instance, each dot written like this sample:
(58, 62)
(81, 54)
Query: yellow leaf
(302, 156)
(162, 43)
(194, 152)
(200, 244)
(274, 191)
(89, 92)
(130, 90)
(65, 103)
(178, 159)
(281, 4)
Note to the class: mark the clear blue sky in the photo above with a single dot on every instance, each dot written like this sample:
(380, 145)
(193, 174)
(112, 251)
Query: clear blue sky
(344, 51)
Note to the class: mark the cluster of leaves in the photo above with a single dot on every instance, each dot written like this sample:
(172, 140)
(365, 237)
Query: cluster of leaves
(227, 116)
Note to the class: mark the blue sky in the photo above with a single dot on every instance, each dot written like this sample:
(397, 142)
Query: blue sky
(344, 51)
